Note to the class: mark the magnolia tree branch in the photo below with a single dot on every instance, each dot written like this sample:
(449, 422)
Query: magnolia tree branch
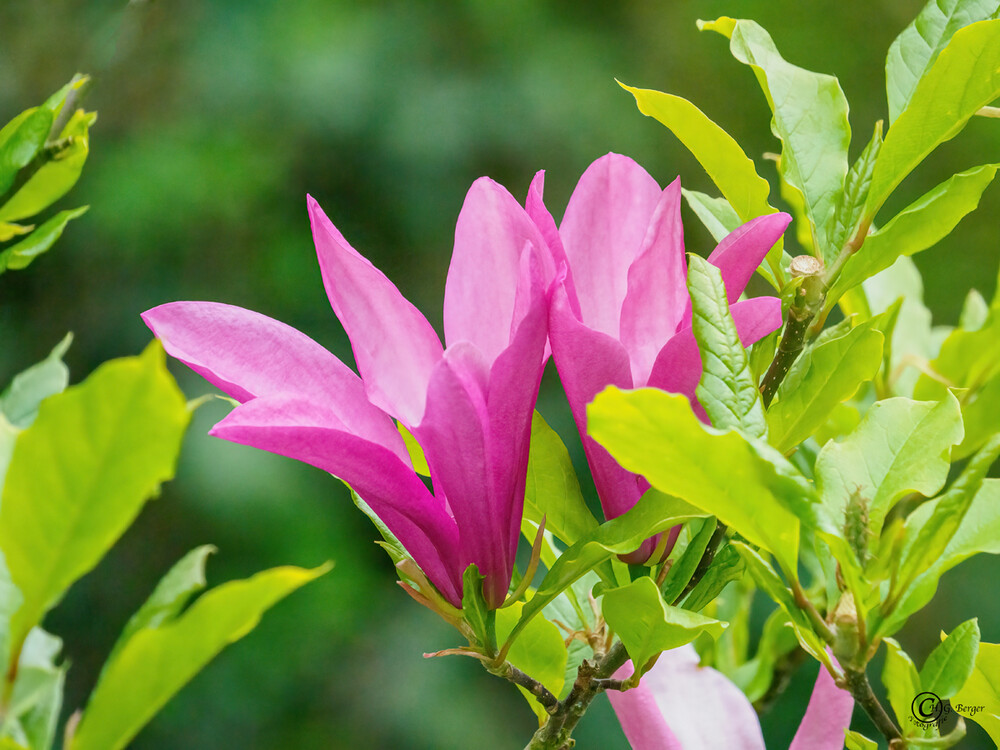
(859, 687)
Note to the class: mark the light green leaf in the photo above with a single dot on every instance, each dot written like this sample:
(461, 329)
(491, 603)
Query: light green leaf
(552, 489)
(417, 457)
(975, 311)
(654, 513)
(732, 171)
(968, 359)
(750, 487)
(771, 584)
(20, 255)
(914, 51)
(951, 663)
(19, 400)
(36, 697)
(716, 214)
(683, 567)
(809, 116)
(727, 390)
(539, 651)
(857, 741)
(827, 375)
(850, 211)
(965, 77)
(901, 680)
(901, 446)
(776, 641)
(157, 662)
(474, 608)
(917, 227)
(175, 589)
(979, 698)
(981, 416)
(95, 453)
(926, 542)
(647, 625)
(56, 176)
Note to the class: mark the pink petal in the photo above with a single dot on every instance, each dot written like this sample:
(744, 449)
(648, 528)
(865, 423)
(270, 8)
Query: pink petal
(678, 365)
(827, 716)
(300, 430)
(657, 293)
(640, 716)
(702, 709)
(539, 214)
(741, 252)
(603, 232)
(249, 355)
(479, 295)
(588, 361)
(455, 437)
(394, 345)
(513, 390)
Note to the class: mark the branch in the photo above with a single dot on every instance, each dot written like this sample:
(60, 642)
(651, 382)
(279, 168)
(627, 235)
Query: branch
(861, 689)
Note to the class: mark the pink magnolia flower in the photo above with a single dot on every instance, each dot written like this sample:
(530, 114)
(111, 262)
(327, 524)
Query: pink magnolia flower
(469, 405)
(623, 314)
(679, 705)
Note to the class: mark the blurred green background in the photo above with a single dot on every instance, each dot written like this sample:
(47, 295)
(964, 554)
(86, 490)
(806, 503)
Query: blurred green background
(216, 118)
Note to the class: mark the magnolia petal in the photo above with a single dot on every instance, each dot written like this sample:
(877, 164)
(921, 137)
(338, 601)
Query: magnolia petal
(513, 390)
(741, 251)
(678, 365)
(640, 716)
(588, 361)
(455, 437)
(535, 206)
(827, 716)
(298, 429)
(657, 293)
(701, 707)
(479, 294)
(394, 345)
(603, 232)
(249, 355)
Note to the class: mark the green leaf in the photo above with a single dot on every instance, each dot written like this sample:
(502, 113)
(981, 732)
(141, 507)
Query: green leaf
(914, 51)
(850, 212)
(475, 610)
(978, 532)
(926, 542)
(777, 641)
(732, 171)
(901, 680)
(968, 359)
(20, 255)
(727, 390)
(827, 375)
(57, 175)
(974, 313)
(749, 487)
(416, 453)
(965, 77)
(539, 651)
(857, 741)
(647, 625)
(727, 566)
(655, 512)
(901, 446)
(95, 453)
(157, 662)
(683, 568)
(552, 489)
(809, 116)
(36, 697)
(19, 400)
(981, 415)
(20, 141)
(175, 589)
(951, 663)
(917, 227)
(979, 698)
(768, 581)
(716, 214)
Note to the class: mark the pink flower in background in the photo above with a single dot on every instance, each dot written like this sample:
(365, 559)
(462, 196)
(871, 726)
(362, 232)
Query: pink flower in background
(622, 316)
(469, 405)
(679, 705)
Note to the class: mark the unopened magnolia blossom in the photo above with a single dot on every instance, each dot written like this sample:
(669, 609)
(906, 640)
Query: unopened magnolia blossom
(468, 405)
(622, 315)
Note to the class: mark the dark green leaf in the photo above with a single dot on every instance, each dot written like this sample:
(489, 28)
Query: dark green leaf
(726, 567)
(684, 567)
(20, 255)
(474, 608)
(20, 141)
(851, 209)
(951, 663)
